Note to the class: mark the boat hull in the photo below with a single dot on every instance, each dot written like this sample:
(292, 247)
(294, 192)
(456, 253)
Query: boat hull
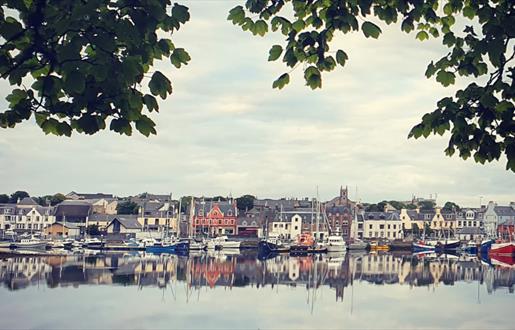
(503, 249)
(29, 246)
(422, 247)
(336, 248)
(173, 248)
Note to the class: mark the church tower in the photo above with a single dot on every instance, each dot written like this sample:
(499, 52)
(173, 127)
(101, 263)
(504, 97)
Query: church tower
(344, 196)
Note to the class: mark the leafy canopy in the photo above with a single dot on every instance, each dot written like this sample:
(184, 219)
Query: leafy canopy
(85, 65)
(480, 117)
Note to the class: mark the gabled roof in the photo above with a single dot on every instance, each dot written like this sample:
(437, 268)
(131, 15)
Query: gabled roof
(504, 211)
(69, 225)
(129, 222)
(27, 201)
(393, 215)
(73, 209)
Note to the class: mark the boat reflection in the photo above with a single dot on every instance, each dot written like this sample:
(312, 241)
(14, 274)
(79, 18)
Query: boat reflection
(220, 269)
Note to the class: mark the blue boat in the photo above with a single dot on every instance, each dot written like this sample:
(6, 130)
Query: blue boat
(421, 246)
(176, 247)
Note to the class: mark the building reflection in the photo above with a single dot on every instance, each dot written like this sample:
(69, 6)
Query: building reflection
(219, 269)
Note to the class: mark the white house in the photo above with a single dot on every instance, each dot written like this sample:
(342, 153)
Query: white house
(496, 215)
(386, 225)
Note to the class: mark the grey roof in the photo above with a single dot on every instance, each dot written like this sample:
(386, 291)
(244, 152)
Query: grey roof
(249, 221)
(224, 206)
(392, 215)
(338, 209)
(129, 222)
(504, 211)
(102, 217)
(69, 225)
(73, 210)
(469, 231)
(27, 201)
(91, 195)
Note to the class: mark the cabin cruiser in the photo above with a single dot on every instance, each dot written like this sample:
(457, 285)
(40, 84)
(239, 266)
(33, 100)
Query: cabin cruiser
(93, 243)
(358, 245)
(29, 243)
(55, 245)
(222, 242)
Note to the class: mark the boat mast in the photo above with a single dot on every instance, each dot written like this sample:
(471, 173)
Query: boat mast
(317, 218)
(179, 218)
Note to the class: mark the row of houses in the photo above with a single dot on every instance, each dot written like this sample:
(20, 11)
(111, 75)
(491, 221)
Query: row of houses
(282, 217)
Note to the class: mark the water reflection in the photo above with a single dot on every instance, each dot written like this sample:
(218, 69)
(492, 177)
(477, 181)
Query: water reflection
(210, 270)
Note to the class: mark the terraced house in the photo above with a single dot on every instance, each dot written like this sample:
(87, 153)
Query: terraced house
(214, 217)
(26, 216)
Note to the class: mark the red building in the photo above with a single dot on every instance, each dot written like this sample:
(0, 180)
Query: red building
(507, 230)
(214, 218)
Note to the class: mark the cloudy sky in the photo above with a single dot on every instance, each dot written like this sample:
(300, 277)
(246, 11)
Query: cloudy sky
(226, 131)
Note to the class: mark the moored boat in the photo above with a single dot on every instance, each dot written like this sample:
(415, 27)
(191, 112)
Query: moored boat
(503, 249)
(29, 243)
(335, 243)
(401, 245)
(421, 246)
(358, 245)
(222, 242)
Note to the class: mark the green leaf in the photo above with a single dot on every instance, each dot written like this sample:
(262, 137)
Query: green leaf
(160, 85)
(298, 25)
(74, 82)
(422, 35)
(313, 77)
(341, 57)
(431, 70)
(407, 25)
(260, 27)
(49, 126)
(469, 12)
(370, 30)
(282, 81)
(179, 57)
(445, 78)
(275, 52)
(181, 13)
(236, 15)
(145, 126)
(121, 125)
(150, 102)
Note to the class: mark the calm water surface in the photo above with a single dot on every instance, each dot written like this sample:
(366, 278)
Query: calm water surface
(222, 290)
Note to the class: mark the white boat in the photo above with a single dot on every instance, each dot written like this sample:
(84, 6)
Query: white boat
(30, 243)
(358, 245)
(335, 243)
(55, 244)
(196, 244)
(222, 242)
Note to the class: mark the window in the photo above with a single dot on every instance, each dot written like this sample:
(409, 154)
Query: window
(37, 218)
(201, 212)
(394, 234)
(370, 226)
(229, 212)
(244, 223)
(381, 226)
(459, 223)
(275, 225)
(296, 227)
(369, 234)
(388, 226)
(376, 234)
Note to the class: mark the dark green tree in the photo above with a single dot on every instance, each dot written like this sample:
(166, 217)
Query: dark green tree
(127, 207)
(93, 230)
(451, 206)
(86, 65)
(397, 205)
(411, 206)
(4, 198)
(426, 205)
(18, 195)
(415, 230)
(245, 202)
(480, 117)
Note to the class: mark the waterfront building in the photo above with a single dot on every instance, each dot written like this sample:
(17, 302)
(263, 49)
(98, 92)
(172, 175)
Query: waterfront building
(124, 225)
(58, 229)
(496, 215)
(156, 216)
(214, 217)
(470, 217)
(385, 225)
(83, 196)
(506, 230)
(470, 233)
(76, 211)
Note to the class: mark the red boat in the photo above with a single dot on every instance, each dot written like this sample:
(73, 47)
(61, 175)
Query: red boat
(503, 249)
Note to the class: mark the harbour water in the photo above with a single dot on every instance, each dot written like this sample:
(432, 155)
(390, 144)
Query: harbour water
(231, 290)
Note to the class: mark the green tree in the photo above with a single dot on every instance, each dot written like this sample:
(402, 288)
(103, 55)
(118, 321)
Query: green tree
(86, 65)
(4, 198)
(397, 205)
(451, 206)
(245, 202)
(415, 230)
(127, 207)
(480, 117)
(57, 198)
(411, 206)
(93, 230)
(426, 205)
(18, 195)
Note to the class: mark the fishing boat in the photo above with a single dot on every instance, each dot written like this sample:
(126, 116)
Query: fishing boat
(503, 249)
(335, 243)
(446, 245)
(421, 246)
(196, 244)
(29, 243)
(306, 244)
